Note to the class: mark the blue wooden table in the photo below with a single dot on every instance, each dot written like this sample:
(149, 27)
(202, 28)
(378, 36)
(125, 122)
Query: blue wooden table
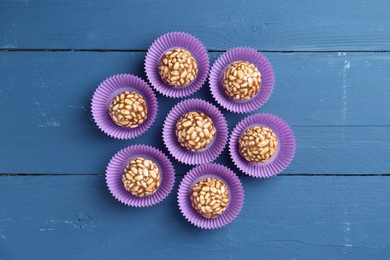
(331, 60)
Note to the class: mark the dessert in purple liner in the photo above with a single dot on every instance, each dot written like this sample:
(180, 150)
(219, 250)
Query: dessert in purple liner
(124, 106)
(177, 64)
(140, 176)
(241, 80)
(195, 132)
(210, 196)
(262, 145)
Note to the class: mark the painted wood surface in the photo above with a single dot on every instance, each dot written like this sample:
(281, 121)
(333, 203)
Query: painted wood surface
(74, 217)
(336, 102)
(331, 62)
(265, 25)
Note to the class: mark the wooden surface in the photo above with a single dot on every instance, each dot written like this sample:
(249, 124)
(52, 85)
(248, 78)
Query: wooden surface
(331, 61)
(300, 217)
(128, 25)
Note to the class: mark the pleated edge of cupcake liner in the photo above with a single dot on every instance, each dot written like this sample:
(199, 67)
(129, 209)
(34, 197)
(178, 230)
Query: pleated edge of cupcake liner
(173, 154)
(109, 133)
(143, 205)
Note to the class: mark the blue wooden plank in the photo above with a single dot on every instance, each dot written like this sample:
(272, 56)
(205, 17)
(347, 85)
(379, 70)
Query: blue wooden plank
(84, 150)
(266, 25)
(46, 125)
(311, 88)
(75, 217)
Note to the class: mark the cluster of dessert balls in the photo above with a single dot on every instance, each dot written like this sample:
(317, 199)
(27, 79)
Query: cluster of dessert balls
(195, 130)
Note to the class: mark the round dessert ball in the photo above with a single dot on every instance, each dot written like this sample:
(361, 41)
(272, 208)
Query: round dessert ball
(141, 177)
(241, 80)
(258, 144)
(195, 130)
(210, 197)
(178, 67)
(128, 109)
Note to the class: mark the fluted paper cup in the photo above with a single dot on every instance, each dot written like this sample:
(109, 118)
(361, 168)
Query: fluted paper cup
(236, 195)
(212, 151)
(169, 42)
(117, 165)
(242, 54)
(283, 155)
(107, 91)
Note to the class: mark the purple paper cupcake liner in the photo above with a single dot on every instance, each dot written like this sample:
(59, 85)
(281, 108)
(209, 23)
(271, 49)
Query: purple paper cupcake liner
(117, 165)
(283, 155)
(212, 151)
(244, 54)
(103, 96)
(236, 195)
(168, 42)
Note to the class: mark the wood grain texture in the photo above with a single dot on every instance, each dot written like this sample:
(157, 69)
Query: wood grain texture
(84, 150)
(331, 60)
(265, 25)
(338, 105)
(312, 89)
(74, 217)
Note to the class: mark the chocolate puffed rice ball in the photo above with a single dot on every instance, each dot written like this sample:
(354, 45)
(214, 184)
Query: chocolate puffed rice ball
(141, 177)
(195, 131)
(241, 80)
(178, 68)
(210, 197)
(128, 109)
(258, 144)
